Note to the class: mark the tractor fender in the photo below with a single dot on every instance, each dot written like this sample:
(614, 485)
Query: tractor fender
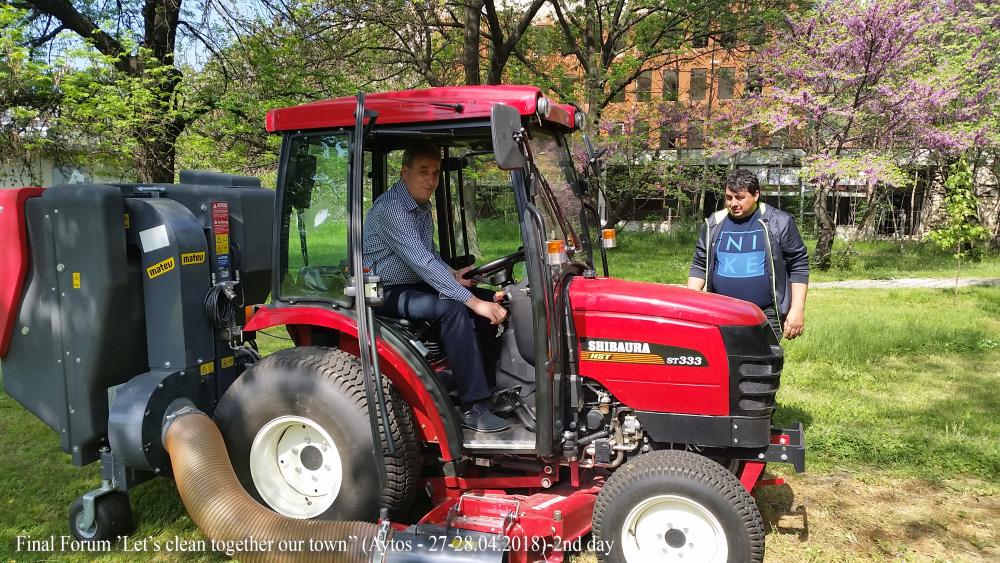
(15, 257)
(399, 361)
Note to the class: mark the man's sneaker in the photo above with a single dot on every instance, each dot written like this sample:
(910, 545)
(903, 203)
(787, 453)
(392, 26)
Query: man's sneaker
(479, 418)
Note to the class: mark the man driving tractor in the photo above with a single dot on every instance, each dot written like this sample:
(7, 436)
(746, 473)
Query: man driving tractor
(419, 285)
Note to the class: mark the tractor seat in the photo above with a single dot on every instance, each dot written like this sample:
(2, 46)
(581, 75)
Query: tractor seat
(408, 325)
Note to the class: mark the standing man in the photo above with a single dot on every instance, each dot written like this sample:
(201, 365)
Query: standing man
(399, 248)
(752, 251)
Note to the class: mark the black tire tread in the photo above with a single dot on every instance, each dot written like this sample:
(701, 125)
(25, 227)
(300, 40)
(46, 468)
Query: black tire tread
(343, 371)
(113, 515)
(691, 466)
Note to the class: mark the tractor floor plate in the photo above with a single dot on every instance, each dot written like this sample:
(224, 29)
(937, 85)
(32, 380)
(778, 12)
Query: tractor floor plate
(516, 439)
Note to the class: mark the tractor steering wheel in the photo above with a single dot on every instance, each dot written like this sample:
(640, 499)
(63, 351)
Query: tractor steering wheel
(499, 272)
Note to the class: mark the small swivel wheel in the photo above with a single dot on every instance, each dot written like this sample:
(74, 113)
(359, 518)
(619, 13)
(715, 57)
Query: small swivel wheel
(111, 517)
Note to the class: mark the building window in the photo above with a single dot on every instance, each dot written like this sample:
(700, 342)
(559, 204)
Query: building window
(699, 84)
(619, 96)
(643, 86)
(727, 82)
(695, 134)
(670, 85)
(668, 136)
(755, 81)
(727, 39)
(779, 139)
(699, 36)
(757, 35)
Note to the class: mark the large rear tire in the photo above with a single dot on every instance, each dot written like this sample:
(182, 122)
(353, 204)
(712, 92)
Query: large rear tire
(674, 505)
(297, 431)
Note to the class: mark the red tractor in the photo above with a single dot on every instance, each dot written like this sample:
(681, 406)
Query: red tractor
(640, 413)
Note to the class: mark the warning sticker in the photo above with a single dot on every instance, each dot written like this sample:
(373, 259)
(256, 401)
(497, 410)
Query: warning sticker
(128, 222)
(227, 362)
(189, 258)
(76, 280)
(220, 217)
(222, 243)
(160, 268)
(207, 368)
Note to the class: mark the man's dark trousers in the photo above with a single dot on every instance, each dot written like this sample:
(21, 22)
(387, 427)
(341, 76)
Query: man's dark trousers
(463, 333)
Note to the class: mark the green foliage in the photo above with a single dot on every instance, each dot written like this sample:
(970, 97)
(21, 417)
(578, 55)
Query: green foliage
(960, 232)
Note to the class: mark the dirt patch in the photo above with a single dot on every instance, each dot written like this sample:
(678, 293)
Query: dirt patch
(845, 517)
(841, 517)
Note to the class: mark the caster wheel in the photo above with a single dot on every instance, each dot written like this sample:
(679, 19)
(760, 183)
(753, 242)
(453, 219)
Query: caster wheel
(112, 518)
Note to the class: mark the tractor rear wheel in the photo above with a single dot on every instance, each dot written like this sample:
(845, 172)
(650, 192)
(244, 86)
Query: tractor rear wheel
(674, 505)
(297, 431)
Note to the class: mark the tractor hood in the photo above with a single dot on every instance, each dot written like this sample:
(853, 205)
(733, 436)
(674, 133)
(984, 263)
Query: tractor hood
(611, 295)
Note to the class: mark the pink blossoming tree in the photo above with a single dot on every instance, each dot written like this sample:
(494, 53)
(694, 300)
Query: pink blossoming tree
(866, 88)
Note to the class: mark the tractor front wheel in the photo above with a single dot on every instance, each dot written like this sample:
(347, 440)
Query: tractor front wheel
(298, 434)
(674, 505)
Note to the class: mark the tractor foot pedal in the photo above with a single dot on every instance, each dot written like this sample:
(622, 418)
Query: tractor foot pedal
(506, 401)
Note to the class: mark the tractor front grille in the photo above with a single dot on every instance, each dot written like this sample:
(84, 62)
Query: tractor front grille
(755, 363)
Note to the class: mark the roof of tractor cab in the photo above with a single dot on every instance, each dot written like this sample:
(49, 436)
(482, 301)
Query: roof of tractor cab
(449, 103)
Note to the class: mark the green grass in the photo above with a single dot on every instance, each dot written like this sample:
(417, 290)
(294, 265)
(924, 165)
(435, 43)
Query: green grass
(900, 380)
(666, 258)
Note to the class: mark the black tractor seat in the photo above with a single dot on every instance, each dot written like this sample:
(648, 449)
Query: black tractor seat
(407, 324)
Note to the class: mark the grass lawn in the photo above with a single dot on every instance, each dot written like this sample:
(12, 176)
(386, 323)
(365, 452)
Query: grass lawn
(899, 391)
(666, 258)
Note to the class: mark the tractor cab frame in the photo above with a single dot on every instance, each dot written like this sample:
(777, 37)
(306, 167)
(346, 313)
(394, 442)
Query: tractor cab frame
(551, 207)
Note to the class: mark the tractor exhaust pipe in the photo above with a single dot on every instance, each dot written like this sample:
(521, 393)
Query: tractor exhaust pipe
(234, 522)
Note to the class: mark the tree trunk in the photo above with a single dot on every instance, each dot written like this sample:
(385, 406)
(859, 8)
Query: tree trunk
(471, 216)
(861, 227)
(156, 158)
(497, 63)
(826, 229)
(470, 46)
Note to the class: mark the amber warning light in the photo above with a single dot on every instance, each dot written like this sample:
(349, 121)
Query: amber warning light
(608, 238)
(556, 251)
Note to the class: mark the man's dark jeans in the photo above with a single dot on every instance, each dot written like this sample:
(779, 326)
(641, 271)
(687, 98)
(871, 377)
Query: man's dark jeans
(469, 340)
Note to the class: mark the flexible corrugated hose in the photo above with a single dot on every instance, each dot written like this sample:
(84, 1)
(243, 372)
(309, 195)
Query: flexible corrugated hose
(234, 522)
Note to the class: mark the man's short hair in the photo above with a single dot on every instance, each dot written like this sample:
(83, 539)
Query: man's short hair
(742, 179)
(420, 149)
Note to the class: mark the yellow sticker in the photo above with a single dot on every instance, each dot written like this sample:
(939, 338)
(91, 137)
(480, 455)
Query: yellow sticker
(128, 223)
(222, 244)
(76, 280)
(227, 362)
(189, 258)
(207, 369)
(160, 268)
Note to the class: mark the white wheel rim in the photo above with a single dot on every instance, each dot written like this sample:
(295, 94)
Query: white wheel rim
(296, 467)
(673, 528)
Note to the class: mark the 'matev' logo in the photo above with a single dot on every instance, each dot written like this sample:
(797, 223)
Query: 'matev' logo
(160, 268)
(617, 346)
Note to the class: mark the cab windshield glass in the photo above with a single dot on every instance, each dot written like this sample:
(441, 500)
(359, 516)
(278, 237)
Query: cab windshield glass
(557, 197)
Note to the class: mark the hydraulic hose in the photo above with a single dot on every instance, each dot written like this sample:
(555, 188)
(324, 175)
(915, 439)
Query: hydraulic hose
(234, 521)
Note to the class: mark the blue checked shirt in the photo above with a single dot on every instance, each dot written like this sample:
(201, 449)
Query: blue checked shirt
(399, 244)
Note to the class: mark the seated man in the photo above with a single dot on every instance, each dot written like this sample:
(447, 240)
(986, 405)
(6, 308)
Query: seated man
(399, 248)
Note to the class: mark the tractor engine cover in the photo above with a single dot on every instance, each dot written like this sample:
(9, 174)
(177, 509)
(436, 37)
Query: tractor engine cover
(692, 365)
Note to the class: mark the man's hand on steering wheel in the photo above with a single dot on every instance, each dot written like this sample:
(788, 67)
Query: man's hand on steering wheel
(485, 273)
